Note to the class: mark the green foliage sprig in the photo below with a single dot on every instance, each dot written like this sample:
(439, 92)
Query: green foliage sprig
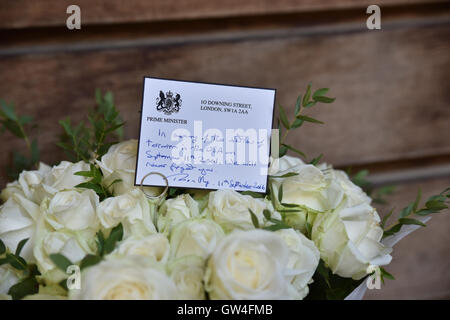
(28, 283)
(96, 182)
(434, 204)
(92, 140)
(16, 124)
(308, 101)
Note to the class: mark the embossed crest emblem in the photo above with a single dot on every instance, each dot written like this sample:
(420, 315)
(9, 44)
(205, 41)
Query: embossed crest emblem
(168, 103)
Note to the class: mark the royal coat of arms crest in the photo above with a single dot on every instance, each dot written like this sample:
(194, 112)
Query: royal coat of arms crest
(168, 103)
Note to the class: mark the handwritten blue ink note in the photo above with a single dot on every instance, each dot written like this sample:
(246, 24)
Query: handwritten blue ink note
(202, 135)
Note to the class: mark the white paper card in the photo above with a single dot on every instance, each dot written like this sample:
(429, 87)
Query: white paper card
(207, 136)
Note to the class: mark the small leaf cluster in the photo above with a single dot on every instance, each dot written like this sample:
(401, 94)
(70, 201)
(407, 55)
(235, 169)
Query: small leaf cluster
(95, 183)
(28, 284)
(309, 100)
(92, 140)
(15, 124)
(433, 204)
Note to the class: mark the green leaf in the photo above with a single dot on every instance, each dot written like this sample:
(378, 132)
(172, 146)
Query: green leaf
(386, 274)
(253, 194)
(289, 205)
(2, 247)
(8, 111)
(407, 210)
(316, 160)
(307, 95)
(320, 92)
(89, 260)
(298, 105)
(411, 221)
(16, 261)
(286, 175)
(114, 237)
(254, 218)
(385, 218)
(309, 119)
(283, 118)
(324, 99)
(84, 173)
(283, 150)
(435, 205)
(24, 288)
(20, 246)
(60, 261)
(100, 243)
(294, 149)
(276, 227)
(89, 185)
(280, 194)
(396, 228)
(297, 123)
(267, 214)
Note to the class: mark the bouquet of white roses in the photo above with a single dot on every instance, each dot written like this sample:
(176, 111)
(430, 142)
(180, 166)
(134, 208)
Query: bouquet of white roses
(82, 230)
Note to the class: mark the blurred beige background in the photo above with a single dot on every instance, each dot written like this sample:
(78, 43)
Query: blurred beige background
(392, 86)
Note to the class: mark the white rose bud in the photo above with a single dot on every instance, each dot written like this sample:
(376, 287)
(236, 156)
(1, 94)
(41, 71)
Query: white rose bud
(155, 246)
(72, 210)
(176, 210)
(187, 273)
(197, 237)
(303, 260)
(125, 278)
(230, 209)
(348, 239)
(120, 163)
(18, 218)
(132, 209)
(249, 265)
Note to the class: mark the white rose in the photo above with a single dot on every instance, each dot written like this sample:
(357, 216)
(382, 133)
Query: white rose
(74, 245)
(354, 194)
(348, 239)
(248, 265)
(197, 237)
(72, 210)
(303, 189)
(175, 210)
(120, 163)
(132, 209)
(60, 177)
(230, 209)
(18, 217)
(11, 188)
(8, 278)
(303, 260)
(27, 184)
(155, 246)
(125, 278)
(284, 163)
(187, 273)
